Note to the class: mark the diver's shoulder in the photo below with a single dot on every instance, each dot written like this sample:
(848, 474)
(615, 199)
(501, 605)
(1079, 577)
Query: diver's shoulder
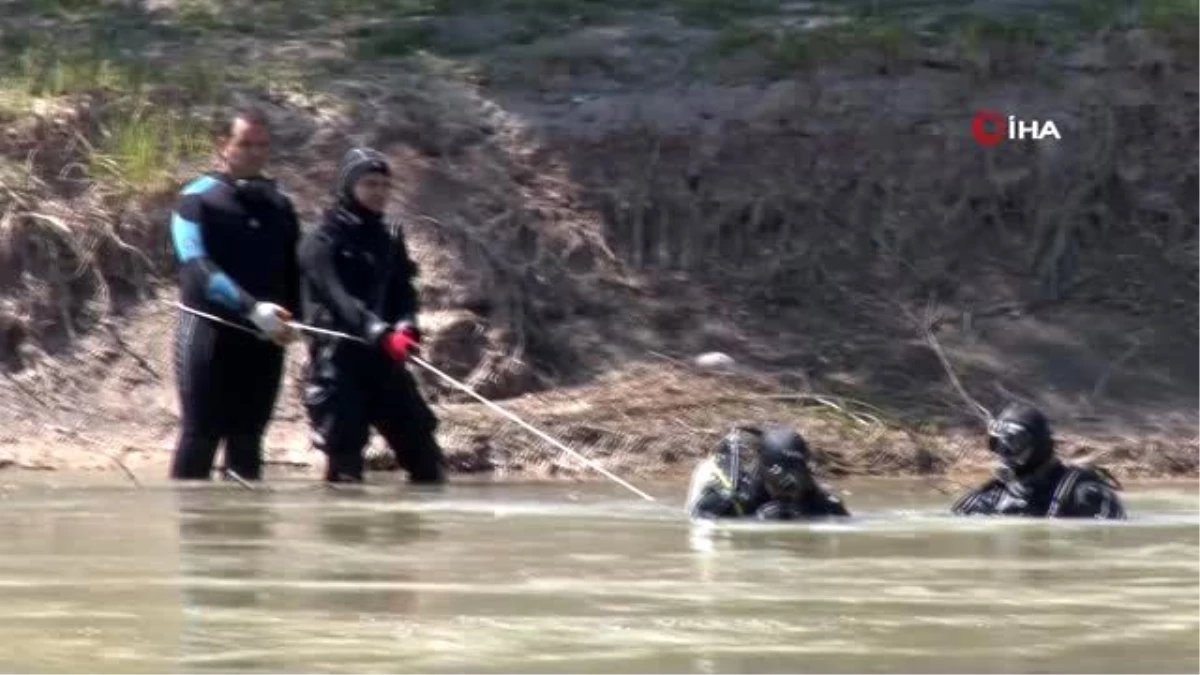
(1089, 490)
(200, 185)
(1092, 476)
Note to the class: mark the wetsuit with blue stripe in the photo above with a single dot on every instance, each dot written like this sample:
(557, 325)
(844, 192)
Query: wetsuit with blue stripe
(235, 242)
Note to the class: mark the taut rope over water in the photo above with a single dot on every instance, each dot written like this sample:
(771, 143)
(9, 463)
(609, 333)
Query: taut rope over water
(452, 381)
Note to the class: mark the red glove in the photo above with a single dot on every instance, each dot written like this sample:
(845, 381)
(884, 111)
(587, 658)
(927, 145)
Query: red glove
(410, 329)
(398, 344)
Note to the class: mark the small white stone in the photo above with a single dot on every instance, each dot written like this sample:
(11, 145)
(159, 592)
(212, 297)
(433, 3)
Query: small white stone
(715, 361)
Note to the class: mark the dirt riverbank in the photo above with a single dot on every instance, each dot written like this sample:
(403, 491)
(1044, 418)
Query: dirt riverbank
(599, 192)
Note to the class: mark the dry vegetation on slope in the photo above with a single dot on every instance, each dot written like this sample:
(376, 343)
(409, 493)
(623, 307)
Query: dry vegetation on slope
(596, 188)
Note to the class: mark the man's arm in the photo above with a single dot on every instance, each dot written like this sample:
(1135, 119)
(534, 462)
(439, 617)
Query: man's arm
(316, 258)
(823, 505)
(1094, 499)
(198, 272)
(715, 502)
(711, 494)
(774, 510)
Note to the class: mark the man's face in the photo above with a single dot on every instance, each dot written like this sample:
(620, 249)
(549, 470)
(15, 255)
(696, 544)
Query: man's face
(372, 191)
(246, 150)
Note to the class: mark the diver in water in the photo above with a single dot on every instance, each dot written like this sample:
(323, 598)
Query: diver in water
(1033, 481)
(763, 474)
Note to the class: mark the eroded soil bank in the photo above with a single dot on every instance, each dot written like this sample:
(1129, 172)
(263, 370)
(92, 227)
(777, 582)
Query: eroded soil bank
(596, 197)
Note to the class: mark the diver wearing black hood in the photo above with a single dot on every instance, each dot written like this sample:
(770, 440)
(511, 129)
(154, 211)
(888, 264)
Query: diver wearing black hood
(358, 279)
(763, 474)
(1033, 481)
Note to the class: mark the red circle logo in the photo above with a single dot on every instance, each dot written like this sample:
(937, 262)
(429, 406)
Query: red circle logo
(987, 127)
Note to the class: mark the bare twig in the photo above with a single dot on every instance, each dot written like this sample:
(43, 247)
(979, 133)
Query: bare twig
(137, 358)
(666, 357)
(931, 340)
(1010, 395)
(1102, 381)
(117, 460)
(865, 419)
(695, 430)
(826, 399)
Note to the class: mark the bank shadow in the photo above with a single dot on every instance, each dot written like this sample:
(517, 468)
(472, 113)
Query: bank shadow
(365, 572)
(260, 578)
(225, 544)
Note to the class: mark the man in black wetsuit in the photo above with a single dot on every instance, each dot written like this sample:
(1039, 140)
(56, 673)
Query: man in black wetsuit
(1033, 481)
(235, 236)
(358, 279)
(763, 474)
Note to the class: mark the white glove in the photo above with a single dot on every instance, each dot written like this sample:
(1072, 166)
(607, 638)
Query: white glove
(273, 320)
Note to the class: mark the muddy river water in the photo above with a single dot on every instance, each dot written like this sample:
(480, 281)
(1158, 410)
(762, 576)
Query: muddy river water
(581, 578)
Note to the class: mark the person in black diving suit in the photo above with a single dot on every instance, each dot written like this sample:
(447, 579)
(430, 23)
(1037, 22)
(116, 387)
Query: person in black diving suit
(235, 235)
(357, 278)
(1033, 481)
(763, 474)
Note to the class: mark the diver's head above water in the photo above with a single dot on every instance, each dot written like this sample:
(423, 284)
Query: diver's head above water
(1020, 436)
(783, 463)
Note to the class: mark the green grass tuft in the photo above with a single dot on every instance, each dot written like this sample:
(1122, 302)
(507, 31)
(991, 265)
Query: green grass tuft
(142, 149)
(40, 71)
(15, 99)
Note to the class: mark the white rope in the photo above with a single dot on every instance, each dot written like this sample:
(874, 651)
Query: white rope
(459, 385)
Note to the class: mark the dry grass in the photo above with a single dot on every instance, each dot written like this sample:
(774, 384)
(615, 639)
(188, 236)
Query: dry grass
(78, 174)
(660, 418)
(555, 247)
(61, 257)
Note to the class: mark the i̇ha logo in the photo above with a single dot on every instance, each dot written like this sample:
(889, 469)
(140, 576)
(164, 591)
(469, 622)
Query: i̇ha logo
(990, 127)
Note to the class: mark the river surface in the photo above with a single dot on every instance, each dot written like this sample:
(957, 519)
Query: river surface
(571, 578)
